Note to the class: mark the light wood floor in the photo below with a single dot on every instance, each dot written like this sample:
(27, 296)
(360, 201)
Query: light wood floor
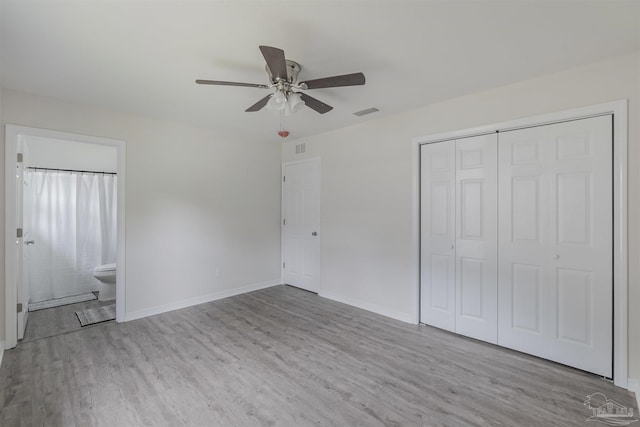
(58, 320)
(285, 357)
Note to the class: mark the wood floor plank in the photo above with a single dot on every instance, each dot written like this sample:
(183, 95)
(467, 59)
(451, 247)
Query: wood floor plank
(285, 357)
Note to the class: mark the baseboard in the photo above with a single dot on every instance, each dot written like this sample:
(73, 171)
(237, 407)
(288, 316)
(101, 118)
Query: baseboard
(633, 384)
(198, 300)
(398, 315)
(1, 352)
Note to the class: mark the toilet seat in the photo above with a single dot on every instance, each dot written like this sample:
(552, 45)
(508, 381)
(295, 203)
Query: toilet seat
(105, 268)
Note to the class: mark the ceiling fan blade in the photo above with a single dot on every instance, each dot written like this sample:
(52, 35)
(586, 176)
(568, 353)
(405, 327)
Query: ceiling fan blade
(315, 104)
(260, 104)
(354, 79)
(219, 83)
(275, 61)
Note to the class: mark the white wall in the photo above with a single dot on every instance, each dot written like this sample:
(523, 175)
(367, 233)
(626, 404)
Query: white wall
(195, 201)
(59, 154)
(367, 183)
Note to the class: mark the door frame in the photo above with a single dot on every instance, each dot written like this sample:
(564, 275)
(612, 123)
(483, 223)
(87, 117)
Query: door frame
(618, 109)
(282, 248)
(13, 134)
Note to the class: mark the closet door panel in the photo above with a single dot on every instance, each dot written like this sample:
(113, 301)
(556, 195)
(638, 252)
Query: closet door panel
(476, 237)
(523, 230)
(556, 228)
(437, 228)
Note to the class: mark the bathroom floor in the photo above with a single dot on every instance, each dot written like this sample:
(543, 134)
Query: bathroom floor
(58, 320)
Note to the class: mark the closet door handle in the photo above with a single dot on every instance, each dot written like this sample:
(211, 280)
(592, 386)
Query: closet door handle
(30, 242)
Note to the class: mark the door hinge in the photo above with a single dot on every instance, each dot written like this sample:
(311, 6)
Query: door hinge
(19, 232)
(284, 221)
(284, 179)
(283, 265)
(19, 308)
(19, 157)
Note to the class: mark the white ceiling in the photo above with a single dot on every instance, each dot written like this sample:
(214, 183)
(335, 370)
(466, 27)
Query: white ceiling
(143, 56)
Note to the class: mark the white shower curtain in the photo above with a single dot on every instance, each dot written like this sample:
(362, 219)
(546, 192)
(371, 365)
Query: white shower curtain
(72, 219)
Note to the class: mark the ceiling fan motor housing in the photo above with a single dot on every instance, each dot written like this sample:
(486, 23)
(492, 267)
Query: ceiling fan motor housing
(293, 68)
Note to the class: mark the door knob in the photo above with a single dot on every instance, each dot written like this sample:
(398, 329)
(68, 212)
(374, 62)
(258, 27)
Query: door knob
(29, 242)
(315, 233)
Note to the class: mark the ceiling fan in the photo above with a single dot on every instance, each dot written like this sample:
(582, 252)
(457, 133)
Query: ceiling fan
(283, 75)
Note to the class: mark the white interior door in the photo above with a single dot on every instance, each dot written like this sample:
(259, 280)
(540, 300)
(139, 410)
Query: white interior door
(21, 283)
(438, 235)
(555, 274)
(301, 224)
(476, 251)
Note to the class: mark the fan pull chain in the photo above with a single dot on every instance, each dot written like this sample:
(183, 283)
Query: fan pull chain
(282, 132)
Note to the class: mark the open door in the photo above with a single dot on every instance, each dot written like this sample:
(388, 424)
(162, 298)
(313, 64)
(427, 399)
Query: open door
(21, 285)
(16, 297)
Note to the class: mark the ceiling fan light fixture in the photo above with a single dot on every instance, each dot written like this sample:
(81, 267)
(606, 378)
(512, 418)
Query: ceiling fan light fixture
(295, 102)
(277, 102)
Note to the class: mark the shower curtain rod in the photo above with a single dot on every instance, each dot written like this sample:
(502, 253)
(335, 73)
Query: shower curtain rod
(70, 170)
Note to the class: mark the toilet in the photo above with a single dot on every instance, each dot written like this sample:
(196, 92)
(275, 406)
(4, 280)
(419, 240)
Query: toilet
(106, 275)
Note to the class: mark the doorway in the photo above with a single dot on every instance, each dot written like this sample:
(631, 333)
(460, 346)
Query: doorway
(301, 224)
(65, 203)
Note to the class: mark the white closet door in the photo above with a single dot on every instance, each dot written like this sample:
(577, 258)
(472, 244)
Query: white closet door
(555, 227)
(437, 230)
(477, 237)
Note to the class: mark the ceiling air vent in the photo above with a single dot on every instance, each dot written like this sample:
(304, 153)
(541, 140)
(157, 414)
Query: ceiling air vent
(301, 148)
(365, 111)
